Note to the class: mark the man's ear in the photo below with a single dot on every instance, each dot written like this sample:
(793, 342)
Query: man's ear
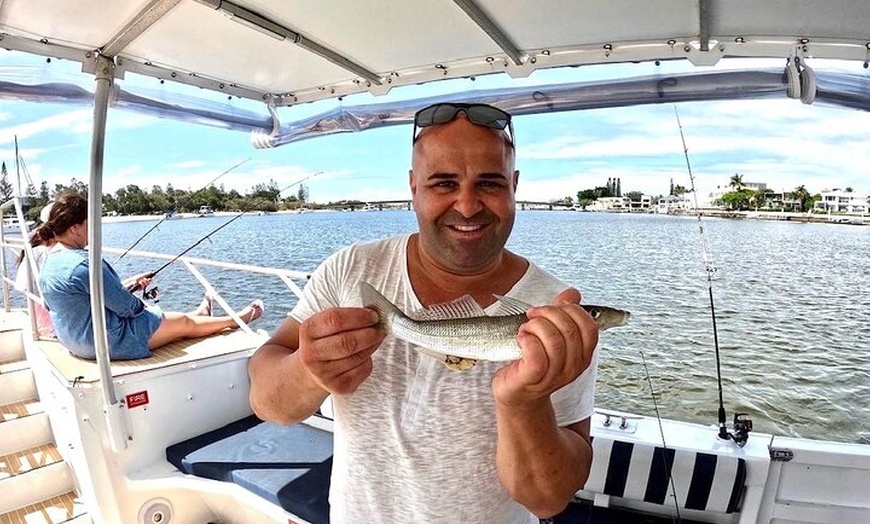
(412, 181)
(516, 179)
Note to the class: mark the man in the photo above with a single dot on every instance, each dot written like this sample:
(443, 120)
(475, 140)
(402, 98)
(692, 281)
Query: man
(414, 441)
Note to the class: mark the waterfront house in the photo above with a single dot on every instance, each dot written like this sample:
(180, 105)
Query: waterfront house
(840, 201)
(611, 204)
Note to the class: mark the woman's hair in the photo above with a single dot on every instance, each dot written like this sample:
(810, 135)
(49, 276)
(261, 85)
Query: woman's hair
(68, 210)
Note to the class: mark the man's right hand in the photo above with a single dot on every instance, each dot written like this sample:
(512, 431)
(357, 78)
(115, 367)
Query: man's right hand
(336, 347)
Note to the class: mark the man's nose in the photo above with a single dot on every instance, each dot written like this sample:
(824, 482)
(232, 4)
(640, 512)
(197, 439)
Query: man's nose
(468, 201)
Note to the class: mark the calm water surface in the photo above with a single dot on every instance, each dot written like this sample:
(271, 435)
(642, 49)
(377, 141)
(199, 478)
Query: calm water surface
(792, 302)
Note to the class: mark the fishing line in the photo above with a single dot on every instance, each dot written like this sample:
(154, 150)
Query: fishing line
(742, 423)
(189, 198)
(152, 274)
(285, 188)
(198, 242)
(663, 454)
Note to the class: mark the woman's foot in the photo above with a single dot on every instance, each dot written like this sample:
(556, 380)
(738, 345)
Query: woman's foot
(252, 312)
(206, 307)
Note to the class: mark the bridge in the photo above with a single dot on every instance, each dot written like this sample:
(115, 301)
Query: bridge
(380, 205)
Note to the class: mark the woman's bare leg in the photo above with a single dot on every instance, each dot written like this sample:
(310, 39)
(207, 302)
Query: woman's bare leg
(177, 326)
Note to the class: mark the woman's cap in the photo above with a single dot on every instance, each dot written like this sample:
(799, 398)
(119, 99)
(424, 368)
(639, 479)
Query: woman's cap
(43, 215)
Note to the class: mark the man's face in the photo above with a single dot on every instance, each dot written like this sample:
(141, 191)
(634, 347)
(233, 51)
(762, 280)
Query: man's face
(462, 184)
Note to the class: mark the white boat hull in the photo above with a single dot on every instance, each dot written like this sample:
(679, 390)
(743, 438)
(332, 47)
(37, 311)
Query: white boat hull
(206, 387)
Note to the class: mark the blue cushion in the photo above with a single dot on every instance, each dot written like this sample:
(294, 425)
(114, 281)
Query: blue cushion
(286, 465)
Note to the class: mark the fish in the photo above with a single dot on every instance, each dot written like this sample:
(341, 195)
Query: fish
(460, 333)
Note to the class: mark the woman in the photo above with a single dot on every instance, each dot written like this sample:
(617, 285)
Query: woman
(134, 329)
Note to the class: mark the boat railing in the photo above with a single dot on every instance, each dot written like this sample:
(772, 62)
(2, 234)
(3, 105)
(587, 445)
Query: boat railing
(23, 235)
(287, 276)
(292, 279)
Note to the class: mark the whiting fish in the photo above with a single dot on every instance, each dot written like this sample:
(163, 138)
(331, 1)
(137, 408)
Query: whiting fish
(460, 333)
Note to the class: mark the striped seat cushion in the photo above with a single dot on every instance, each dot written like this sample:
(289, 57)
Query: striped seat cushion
(702, 481)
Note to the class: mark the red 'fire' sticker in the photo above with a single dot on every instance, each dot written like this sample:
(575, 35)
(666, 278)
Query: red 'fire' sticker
(136, 399)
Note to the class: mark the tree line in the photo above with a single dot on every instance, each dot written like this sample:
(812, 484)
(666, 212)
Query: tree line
(613, 188)
(743, 198)
(134, 200)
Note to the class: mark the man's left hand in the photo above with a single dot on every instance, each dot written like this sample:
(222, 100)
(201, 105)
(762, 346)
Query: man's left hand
(558, 342)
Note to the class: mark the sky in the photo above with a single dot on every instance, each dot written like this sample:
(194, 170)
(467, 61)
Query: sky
(782, 143)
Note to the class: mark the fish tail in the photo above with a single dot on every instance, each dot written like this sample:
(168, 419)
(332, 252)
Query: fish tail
(387, 311)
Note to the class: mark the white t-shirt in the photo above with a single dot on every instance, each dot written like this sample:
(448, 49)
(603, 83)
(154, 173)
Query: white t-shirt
(416, 442)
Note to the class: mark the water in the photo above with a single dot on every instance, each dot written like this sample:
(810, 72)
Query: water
(792, 302)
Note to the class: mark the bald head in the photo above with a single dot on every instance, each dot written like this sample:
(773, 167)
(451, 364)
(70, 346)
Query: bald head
(463, 183)
(461, 137)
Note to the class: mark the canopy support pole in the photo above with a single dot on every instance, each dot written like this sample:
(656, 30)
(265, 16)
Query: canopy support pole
(104, 71)
(704, 24)
(473, 11)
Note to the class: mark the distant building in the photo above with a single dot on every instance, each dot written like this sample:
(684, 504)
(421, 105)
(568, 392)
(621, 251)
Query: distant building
(783, 200)
(685, 202)
(643, 206)
(669, 204)
(839, 201)
(611, 204)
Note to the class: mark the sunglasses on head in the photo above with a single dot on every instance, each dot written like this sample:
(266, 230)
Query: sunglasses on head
(478, 114)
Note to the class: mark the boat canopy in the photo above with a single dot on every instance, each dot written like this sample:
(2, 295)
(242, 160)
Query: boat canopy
(287, 52)
(291, 51)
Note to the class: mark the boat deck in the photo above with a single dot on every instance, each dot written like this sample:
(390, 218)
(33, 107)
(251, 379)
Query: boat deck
(185, 352)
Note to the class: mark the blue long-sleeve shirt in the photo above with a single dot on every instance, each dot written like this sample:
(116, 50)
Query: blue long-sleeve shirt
(65, 285)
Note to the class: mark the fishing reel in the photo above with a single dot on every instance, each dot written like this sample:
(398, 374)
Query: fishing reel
(741, 428)
(151, 294)
(147, 294)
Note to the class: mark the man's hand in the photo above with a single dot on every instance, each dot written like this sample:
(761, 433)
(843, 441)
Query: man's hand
(558, 343)
(336, 347)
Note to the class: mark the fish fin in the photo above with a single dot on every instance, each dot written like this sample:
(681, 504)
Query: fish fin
(462, 307)
(372, 298)
(450, 362)
(513, 306)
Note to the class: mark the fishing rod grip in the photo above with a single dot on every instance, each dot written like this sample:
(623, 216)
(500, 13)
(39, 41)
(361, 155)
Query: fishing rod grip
(135, 286)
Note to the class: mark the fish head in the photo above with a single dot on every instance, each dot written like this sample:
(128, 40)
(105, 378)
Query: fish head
(608, 317)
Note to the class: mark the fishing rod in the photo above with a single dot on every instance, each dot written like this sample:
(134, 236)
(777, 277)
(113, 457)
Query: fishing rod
(152, 294)
(189, 198)
(152, 274)
(742, 422)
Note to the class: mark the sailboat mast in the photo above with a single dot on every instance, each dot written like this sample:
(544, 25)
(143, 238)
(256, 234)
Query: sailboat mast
(17, 168)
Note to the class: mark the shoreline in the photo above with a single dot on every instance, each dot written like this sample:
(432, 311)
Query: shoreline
(803, 218)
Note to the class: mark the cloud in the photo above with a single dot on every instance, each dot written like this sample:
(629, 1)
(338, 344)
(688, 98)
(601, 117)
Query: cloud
(68, 121)
(188, 164)
(779, 142)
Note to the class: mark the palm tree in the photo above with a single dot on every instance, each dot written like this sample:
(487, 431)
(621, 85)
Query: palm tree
(759, 198)
(736, 181)
(803, 196)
